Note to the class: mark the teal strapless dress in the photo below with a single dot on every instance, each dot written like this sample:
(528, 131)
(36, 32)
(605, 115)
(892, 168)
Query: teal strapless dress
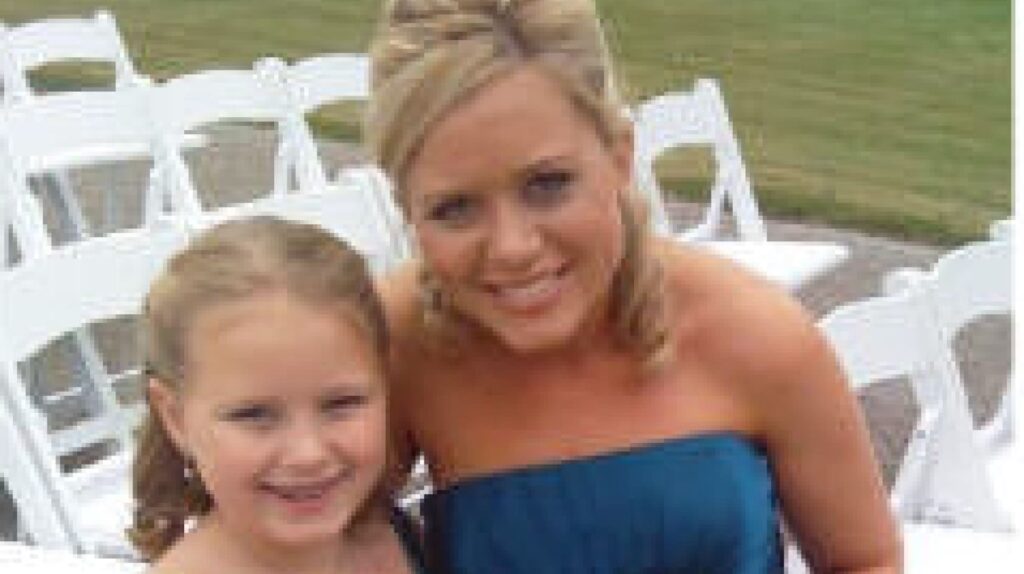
(703, 504)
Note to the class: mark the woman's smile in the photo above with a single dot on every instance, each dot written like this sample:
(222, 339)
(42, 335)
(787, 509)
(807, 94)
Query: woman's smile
(531, 295)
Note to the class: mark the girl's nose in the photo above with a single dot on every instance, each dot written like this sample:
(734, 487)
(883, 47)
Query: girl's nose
(306, 446)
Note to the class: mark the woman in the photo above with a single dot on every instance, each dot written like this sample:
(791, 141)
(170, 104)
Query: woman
(589, 398)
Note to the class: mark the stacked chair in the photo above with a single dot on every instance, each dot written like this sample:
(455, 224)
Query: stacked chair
(70, 478)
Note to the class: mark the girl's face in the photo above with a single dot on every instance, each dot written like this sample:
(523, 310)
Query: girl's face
(283, 414)
(514, 197)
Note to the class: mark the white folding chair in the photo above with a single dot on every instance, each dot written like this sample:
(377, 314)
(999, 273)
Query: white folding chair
(207, 98)
(329, 79)
(64, 130)
(944, 492)
(30, 46)
(61, 131)
(47, 297)
(699, 118)
(966, 284)
(909, 333)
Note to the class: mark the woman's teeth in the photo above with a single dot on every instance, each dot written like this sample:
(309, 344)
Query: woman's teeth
(528, 294)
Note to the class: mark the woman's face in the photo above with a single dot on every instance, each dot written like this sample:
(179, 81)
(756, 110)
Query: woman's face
(283, 413)
(514, 197)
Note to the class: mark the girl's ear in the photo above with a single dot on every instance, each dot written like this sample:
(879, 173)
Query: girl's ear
(166, 405)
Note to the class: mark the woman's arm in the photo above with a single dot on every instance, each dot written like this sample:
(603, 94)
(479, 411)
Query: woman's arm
(828, 480)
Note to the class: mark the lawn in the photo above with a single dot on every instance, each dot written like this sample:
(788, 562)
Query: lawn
(892, 116)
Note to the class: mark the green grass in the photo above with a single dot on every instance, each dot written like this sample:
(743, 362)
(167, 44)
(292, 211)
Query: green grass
(886, 115)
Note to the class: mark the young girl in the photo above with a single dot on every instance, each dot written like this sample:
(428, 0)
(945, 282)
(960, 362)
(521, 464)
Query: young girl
(264, 344)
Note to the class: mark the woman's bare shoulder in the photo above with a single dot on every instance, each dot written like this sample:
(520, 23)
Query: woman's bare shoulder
(740, 323)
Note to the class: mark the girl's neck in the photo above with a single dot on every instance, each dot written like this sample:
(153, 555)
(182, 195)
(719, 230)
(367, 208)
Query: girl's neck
(227, 544)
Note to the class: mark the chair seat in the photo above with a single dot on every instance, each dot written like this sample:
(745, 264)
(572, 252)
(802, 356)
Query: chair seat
(106, 511)
(20, 558)
(104, 520)
(934, 549)
(791, 264)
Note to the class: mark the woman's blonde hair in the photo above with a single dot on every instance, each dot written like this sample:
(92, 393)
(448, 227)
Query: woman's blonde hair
(431, 55)
(230, 262)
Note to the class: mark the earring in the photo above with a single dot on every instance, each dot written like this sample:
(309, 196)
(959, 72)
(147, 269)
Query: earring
(431, 297)
(437, 313)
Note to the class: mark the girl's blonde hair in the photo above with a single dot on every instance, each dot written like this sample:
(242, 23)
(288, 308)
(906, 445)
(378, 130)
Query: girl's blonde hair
(230, 262)
(431, 55)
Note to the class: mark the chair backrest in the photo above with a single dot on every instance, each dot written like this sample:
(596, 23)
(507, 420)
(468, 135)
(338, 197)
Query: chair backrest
(61, 292)
(696, 118)
(31, 45)
(325, 79)
(60, 131)
(206, 98)
(348, 208)
(312, 83)
(909, 332)
(329, 78)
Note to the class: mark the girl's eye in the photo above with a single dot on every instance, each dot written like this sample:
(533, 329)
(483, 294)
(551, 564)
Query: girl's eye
(547, 188)
(452, 211)
(344, 403)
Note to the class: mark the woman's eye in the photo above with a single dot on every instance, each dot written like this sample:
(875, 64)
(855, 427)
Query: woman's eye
(453, 211)
(548, 188)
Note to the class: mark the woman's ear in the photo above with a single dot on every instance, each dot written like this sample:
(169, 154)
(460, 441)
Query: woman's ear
(166, 405)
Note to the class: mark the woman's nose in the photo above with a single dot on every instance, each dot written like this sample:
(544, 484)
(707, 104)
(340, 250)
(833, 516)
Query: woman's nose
(514, 236)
